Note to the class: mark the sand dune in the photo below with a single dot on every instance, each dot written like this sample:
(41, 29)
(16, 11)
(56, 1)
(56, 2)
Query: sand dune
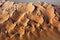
(29, 21)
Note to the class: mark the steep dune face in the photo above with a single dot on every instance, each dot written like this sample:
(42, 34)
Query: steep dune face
(29, 21)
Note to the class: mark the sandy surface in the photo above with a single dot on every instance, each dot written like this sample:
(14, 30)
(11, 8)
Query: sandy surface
(29, 21)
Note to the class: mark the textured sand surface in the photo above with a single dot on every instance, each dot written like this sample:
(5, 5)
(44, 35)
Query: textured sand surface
(29, 21)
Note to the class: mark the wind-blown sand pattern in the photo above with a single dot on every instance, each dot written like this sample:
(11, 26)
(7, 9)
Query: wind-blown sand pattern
(29, 21)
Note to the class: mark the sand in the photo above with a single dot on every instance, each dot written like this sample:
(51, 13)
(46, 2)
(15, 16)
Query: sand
(29, 21)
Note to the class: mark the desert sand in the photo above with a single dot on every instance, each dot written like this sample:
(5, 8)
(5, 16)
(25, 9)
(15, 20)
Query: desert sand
(29, 21)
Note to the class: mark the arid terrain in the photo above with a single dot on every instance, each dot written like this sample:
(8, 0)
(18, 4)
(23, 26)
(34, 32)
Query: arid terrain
(29, 21)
